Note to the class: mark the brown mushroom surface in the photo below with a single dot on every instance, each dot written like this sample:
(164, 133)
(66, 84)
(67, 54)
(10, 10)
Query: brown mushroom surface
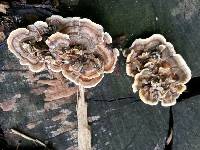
(159, 73)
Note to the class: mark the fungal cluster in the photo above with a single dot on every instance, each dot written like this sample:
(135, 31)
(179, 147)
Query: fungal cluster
(159, 73)
(78, 48)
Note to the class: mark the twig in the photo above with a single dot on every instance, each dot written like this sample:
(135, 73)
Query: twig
(27, 137)
(84, 133)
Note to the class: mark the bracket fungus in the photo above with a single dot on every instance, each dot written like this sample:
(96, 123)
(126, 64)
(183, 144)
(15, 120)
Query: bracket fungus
(78, 48)
(159, 73)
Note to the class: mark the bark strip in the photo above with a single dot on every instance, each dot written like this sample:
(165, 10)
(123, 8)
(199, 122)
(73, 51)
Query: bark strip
(84, 132)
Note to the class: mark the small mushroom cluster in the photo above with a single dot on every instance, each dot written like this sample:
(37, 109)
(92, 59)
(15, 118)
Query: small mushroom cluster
(78, 48)
(159, 73)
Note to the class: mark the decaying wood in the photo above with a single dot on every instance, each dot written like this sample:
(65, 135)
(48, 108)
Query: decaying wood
(84, 133)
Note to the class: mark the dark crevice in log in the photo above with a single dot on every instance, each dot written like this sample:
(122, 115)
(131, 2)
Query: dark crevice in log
(169, 139)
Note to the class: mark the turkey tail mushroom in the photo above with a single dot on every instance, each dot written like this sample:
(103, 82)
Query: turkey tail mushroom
(159, 73)
(79, 49)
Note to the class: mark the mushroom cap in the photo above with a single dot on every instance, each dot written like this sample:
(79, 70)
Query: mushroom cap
(142, 49)
(138, 81)
(23, 51)
(159, 73)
